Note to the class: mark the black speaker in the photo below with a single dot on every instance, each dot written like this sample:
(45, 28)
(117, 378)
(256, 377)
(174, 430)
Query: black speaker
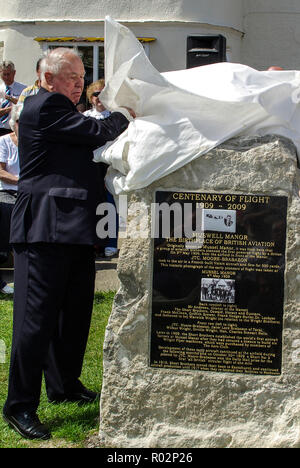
(204, 50)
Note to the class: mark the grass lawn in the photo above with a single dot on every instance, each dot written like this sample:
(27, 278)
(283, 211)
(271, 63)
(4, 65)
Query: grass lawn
(71, 425)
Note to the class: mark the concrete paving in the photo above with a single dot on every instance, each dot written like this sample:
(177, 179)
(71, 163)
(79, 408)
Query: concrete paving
(106, 274)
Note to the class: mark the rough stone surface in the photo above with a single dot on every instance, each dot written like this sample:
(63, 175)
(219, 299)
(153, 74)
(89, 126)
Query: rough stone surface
(147, 407)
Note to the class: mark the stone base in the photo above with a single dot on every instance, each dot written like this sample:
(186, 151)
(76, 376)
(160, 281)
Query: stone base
(149, 407)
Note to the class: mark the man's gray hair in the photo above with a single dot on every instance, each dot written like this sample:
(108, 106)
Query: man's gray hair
(56, 59)
(15, 115)
(7, 64)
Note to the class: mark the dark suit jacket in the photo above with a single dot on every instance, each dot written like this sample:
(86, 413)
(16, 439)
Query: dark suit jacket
(58, 187)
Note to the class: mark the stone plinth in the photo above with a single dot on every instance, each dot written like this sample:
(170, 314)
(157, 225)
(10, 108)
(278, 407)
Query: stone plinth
(142, 406)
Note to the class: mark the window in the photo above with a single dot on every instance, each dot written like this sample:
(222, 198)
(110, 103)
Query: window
(92, 57)
(93, 60)
(91, 51)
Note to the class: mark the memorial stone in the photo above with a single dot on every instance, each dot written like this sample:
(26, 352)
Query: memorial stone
(202, 348)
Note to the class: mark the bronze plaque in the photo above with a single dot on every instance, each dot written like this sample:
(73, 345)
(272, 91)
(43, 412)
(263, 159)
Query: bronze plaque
(218, 282)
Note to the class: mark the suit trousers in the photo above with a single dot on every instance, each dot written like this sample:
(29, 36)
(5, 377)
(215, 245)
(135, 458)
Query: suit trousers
(54, 291)
(7, 201)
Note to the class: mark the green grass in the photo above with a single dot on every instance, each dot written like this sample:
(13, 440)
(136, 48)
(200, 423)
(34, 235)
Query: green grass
(71, 425)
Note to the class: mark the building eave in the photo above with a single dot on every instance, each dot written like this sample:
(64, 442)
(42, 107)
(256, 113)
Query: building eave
(9, 22)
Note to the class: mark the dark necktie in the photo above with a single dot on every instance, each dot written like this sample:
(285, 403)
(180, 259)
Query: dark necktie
(4, 104)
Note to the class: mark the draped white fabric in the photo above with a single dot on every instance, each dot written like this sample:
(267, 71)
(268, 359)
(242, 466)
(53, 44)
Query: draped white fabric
(183, 114)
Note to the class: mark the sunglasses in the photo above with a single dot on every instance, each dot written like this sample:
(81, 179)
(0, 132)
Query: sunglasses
(96, 94)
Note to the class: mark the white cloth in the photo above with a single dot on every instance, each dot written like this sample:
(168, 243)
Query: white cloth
(9, 155)
(183, 114)
(15, 91)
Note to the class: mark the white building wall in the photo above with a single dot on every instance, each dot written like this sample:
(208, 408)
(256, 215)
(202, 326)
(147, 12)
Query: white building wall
(272, 33)
(23, 51)
(169, 21)
(224, 12)
(259, 33)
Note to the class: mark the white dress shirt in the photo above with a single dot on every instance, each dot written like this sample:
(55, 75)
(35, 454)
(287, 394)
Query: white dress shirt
(96, 114)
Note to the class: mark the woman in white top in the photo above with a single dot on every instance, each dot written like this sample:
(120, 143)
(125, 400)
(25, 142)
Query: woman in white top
(9, 176)
(93, 91)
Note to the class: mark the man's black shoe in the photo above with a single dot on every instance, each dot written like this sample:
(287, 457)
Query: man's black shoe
(81, 396)
(27, 424)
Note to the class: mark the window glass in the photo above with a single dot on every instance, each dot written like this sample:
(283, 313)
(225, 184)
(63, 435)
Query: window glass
(86, 54)
(101, 62)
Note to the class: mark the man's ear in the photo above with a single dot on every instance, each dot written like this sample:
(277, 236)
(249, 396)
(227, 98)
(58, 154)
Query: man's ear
(49, 78)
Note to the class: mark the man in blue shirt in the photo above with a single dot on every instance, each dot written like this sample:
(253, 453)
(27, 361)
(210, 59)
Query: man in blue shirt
(9, 94)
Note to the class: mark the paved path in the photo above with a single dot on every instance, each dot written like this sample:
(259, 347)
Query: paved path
(106, 274)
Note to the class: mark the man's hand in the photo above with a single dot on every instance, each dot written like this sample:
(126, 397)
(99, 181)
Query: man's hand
(5, 111)
(131, 111)
(11, 99)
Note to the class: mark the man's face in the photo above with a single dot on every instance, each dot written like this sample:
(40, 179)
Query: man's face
(8, 75)
(70, 80)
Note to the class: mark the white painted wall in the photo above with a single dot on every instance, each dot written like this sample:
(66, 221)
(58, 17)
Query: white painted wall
(22, 51)
(272, 33)
(271, 28)
(224, 12)
(169, 21)
(167, 53)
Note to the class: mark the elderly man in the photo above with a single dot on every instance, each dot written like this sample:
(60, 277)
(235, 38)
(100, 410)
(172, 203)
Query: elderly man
(53, 233)
(9, 94)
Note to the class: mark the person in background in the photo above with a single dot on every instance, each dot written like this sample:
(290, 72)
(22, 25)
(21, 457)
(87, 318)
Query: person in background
(9, 94)
(275, 68)
(33, 89)
(9, 176)
(53, 232)
(98, 111)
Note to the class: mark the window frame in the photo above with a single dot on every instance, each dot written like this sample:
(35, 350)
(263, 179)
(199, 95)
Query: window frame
(99, 42)
(75, 45)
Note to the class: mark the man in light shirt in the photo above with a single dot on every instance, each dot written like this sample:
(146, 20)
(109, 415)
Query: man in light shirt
(10, 91)
(33, 89)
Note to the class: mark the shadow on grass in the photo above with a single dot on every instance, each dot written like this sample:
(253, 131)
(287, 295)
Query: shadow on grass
(98, 299)
(85, 417)
(101, 297)
(6, 297)
(70, 424)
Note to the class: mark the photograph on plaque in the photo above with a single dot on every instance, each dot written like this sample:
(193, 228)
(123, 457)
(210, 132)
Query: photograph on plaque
(217, 290)
(219, 220)
(218, 294)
